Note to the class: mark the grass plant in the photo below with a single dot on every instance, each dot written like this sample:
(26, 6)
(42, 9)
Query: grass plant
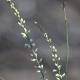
(33, 48)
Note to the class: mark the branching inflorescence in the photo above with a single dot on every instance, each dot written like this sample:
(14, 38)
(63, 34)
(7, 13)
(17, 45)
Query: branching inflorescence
(31, 45)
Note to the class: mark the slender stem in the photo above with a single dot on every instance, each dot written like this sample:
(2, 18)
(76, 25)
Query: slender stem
(67, 38)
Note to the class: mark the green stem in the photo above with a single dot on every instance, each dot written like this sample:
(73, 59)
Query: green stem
(67, 38)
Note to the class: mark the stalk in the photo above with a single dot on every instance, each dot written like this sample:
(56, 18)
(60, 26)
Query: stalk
(67, 38)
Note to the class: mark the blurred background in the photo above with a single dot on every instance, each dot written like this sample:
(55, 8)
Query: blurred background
(15, 63)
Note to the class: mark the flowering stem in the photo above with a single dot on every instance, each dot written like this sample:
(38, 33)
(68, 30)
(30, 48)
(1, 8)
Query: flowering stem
(25, 34)
(56, 59)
